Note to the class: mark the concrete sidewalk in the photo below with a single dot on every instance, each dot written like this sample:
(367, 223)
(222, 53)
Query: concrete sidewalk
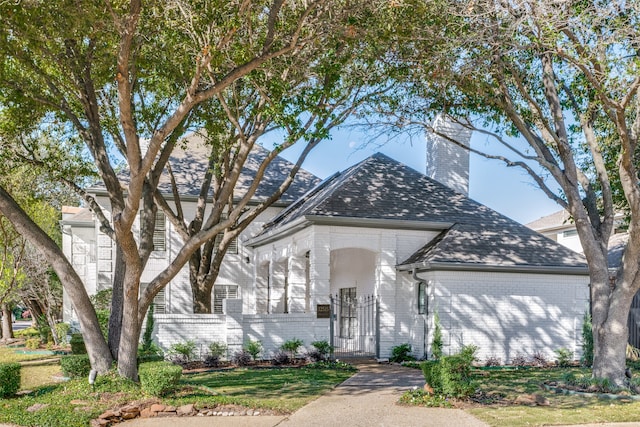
(365, 400)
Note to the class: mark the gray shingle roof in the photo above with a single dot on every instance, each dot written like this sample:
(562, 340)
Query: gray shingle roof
(384, 189)
(558, 219)
(189, 162)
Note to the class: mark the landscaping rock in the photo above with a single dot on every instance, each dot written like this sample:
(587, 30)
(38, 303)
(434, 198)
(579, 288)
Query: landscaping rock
(156, 407)
(37, 407)
(185, 410)
(541, 400)
(147, 413)
(531, 400)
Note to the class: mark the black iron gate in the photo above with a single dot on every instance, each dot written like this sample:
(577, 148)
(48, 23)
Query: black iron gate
(354, 325)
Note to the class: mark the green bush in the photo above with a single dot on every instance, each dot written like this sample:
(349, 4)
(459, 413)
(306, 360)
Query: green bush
(254, 348)
(321, 351)
(565, 357)
(159, 378)
(436, 343)
(183, 352)
(450, 376)
(401, 353)
(32, 343)
(77, 344)
(587, 341)
(62, 329)
(291, 346)
(29, 332)
(9, 379)
(217, 349)
(75, 365)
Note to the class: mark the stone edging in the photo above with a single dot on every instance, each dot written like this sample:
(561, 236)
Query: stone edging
(610, 396)
(150, 410)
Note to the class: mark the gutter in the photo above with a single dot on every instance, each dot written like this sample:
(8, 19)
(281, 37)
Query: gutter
(458, 266)
(306, 220)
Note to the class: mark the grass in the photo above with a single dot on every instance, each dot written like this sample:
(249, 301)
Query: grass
(281, 390)
(563, 409)
(8, 354)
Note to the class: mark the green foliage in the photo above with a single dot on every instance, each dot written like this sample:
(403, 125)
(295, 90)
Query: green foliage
(44, 330)
(147, 336)
(321, 350)
(291, 346)
(62, 329)
(565, 357)
(75, 365)
(102, 299)
(587, 340)
(401, 353)
(159, 378)
(450, 376)
(217, 349)
(436, 343)
(32, 343)
(420, 397)
(332, 364)
(103, 320)
(27, 333)
(77, 344)
(183, 352)
(9, 379)
(254, 348)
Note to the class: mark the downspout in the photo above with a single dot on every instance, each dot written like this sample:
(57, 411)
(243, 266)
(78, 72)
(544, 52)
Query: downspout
(425, 316)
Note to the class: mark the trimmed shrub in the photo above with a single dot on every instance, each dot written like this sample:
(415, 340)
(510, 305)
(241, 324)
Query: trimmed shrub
(159, 378)
(450, 376)
(75, 365)
(9, 379)
(211, 361)
(77, 344)
(401, 353)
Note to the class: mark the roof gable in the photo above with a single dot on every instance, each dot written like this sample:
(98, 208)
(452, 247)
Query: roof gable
(380, 188)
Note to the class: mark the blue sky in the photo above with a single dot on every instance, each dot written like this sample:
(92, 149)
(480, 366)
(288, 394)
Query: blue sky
(507, 190)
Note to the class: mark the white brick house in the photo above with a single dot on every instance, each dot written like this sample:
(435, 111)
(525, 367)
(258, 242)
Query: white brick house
(387, 234)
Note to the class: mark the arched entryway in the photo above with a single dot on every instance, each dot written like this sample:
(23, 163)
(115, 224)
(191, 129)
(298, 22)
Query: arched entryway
(354, 306)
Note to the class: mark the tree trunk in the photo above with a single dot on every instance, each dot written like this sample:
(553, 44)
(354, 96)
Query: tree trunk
(97, 348)
(201, 297)
(7, 327)
(130, 334)
(117, 301)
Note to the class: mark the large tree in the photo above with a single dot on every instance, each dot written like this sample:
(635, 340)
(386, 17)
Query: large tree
(113, 74)
(563, 76)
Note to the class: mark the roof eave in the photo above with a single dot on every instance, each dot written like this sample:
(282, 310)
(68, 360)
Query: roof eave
(395, 224)
(457, 266)
(278, 233)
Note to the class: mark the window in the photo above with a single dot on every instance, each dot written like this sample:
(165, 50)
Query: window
(569, 233)
(159, 233)
(233, 245)
(422, 287)
(348, 307)
(221, 292)
(159, 303)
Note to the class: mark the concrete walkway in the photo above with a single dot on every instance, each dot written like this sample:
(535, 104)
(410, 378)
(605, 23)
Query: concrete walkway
(367, 399)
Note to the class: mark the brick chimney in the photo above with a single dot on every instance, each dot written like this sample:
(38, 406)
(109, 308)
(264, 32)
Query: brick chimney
(447, 162)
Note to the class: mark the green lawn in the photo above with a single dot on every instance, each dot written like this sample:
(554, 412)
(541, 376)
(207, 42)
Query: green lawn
(562, 410)
(282, 390)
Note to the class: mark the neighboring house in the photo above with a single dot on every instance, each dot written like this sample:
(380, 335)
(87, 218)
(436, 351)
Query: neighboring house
(365, 259)
(559, 226)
